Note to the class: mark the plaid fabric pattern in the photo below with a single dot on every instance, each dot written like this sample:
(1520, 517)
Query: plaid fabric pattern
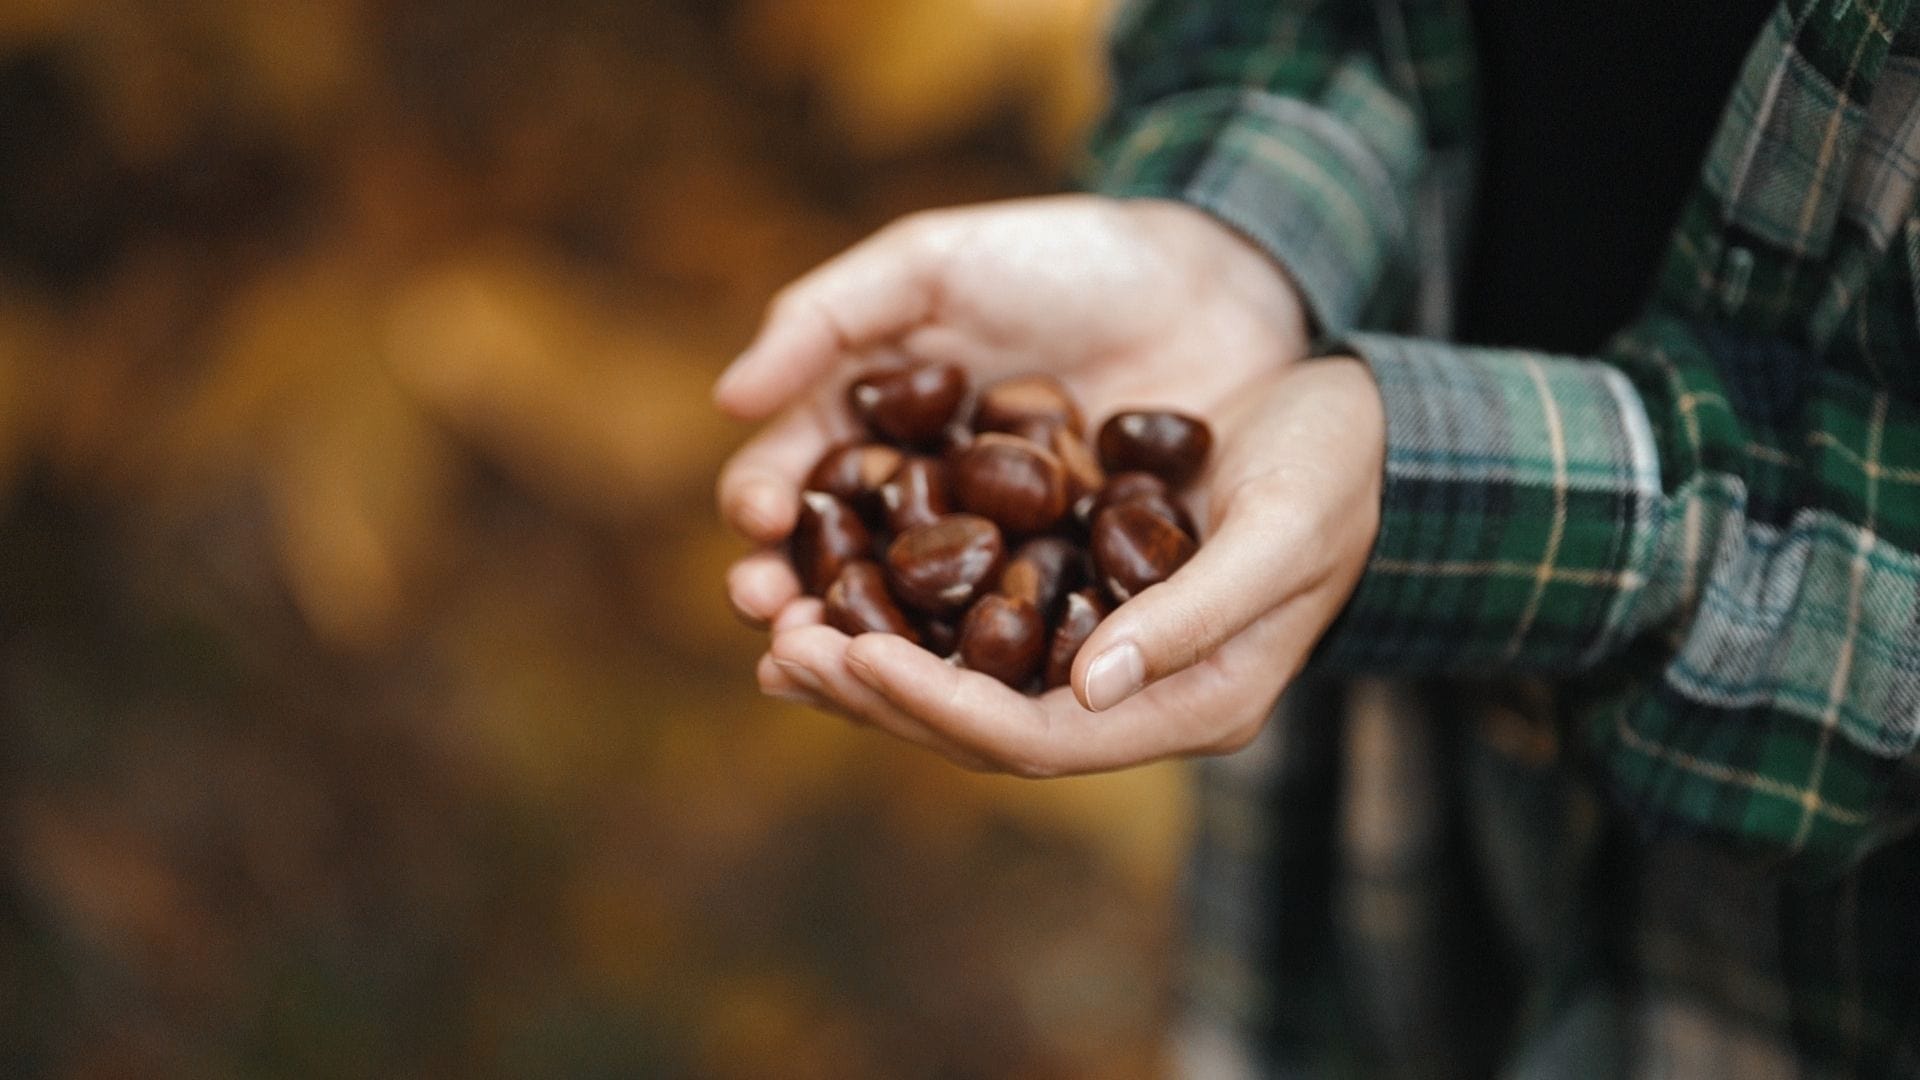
(1703, 540)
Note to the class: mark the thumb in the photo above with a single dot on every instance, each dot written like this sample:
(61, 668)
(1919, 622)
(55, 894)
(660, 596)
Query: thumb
(1256, 561)
(868, 295)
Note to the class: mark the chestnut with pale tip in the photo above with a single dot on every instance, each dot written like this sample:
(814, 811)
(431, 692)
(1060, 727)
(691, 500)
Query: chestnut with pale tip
(1170, 445)
(1135, 547)
(1021, 486)
(942, 567)
(1084, 610)
(858, 603)
(911, 405)
(827, 536)
(1084, 474)
(941, 637)
(1144, 488)
(1004, 637)
(1042, 571)
(854, 472)
(916, 494)
(1011, 403)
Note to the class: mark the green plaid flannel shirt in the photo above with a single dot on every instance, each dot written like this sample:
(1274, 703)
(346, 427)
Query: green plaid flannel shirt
(1707, 538)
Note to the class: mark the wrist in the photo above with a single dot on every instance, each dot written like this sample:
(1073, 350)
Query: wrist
(1227, 263)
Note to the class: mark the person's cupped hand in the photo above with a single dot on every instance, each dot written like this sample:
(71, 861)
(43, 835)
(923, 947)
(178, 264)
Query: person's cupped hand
(1131, 304)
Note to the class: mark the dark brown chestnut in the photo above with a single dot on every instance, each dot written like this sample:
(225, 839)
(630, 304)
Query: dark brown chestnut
(1041, 572)
(909, 405)
(940, 636)
(1134, 547)
(858, 603)
(1084, 474)
(916, 494)
(1021, 486)
(1083, 613)
(1035, 430)
(827, 536)
(1007, 404)
(1004, 637)
(1171, 445)
(1141, 487)
(941, 567)
(853, 473)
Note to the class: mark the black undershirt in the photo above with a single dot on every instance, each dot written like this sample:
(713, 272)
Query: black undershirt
(1597, 117)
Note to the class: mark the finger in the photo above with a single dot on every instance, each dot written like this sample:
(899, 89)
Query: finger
(761, 586)
(804, 611)
(1257, 560)
(872, 293)
(759, 487)
(1213, 707)
(815, 657)
(972, 710)
(775, 682)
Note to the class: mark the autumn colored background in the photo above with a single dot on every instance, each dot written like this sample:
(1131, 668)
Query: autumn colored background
(368, 702)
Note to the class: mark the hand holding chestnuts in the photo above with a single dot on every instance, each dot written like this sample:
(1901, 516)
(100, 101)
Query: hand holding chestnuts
(984, 527)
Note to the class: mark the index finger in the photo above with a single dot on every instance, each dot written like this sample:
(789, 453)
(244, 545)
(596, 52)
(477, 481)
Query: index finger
(869, 295)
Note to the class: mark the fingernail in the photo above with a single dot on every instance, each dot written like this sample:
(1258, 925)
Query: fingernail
(807, 680)
(1115, 675)
(795, 697)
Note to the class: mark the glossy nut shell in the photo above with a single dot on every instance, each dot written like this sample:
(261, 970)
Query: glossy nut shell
(1078, 620)
(916, 494)
(1011, 403)
(827, 536)
(1135, 547)
(1021, 486)
(942, 567)
(1171, 445)
(910, 405)
(1004, 637)
(858, 603)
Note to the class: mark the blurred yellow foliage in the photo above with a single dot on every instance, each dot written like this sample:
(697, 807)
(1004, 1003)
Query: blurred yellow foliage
(895, 74)
(367, 676)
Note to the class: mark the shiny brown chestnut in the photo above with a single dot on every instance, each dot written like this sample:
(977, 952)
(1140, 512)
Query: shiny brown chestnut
(1009, 403)
(1042, 571)
(1021, 486)
(1082, 616)
(1084, 474)
(909, 405)
(1035, 430)
(1171, 445)
(1004, 637)
(916, 494)
(941, 637)
(1141, 487)
(853, 473)
(1134, 547)
(858, 603)
(941, 567)
(827, 536)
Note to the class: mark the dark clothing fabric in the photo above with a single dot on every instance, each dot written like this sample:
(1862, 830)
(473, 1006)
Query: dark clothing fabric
(1595, 120)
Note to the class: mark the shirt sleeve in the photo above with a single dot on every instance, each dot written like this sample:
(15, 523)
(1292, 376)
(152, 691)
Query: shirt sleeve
(1708, 541)
(1278, 119)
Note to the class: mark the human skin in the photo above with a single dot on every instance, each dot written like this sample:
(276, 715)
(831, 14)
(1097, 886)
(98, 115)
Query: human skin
(1128, 303)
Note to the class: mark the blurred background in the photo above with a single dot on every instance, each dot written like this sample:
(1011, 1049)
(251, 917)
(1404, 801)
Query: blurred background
(368, 701)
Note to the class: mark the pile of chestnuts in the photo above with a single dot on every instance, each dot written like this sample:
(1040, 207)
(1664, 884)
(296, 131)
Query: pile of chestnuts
(984, 527)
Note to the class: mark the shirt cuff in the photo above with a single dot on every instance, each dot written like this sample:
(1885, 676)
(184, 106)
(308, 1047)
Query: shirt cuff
(1521, 504)
(1291, 176)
